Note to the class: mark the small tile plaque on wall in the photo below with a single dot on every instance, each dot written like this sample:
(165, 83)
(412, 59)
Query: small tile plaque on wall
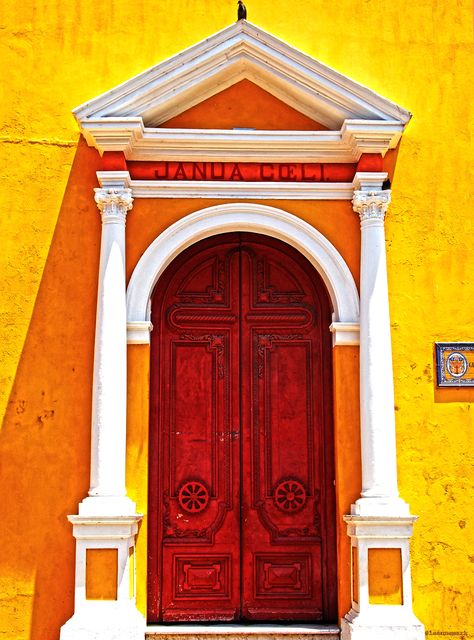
(455, 364)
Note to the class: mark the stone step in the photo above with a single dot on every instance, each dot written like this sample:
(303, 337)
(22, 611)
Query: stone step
(242, 632)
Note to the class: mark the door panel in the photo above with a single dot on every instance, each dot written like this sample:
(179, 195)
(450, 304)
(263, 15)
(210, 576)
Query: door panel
(196, 386)
(241, 496)
(281, 376)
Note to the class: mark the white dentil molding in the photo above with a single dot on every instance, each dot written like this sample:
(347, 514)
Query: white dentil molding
(241, 190)
(243, 217)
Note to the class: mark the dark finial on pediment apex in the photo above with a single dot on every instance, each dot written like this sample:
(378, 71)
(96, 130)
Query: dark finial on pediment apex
(241, 11)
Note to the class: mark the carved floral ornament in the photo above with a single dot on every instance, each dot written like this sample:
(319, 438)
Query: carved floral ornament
(193, 497)
(113, 204)
(371, 205)
(290, 495)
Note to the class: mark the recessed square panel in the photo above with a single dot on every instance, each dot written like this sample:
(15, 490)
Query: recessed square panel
(201, 576)
(283, 574)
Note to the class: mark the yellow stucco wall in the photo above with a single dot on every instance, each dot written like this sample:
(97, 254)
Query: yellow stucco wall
(56, 55)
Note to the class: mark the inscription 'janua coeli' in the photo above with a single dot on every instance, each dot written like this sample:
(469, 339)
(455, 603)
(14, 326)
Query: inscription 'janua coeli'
(242, 171)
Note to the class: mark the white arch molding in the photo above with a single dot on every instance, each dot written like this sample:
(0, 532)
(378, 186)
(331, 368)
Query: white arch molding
(256, 218)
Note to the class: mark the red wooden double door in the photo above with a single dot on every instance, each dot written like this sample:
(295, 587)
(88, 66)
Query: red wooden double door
(241, 473)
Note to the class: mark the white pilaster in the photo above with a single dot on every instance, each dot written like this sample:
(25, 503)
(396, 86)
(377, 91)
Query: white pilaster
(379, 494)
(380, 518)
(107, 493)
(107, 518)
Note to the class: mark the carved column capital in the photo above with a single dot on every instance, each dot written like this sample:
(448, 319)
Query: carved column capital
(371, 205)
(113, 204)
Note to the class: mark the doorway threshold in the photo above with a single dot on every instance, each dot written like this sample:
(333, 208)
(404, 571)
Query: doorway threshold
(198, 631)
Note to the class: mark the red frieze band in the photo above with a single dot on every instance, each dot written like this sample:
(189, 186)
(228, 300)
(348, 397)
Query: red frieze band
(242, 171)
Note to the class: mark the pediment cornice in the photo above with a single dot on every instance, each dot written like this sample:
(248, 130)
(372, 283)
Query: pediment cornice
(128, 118)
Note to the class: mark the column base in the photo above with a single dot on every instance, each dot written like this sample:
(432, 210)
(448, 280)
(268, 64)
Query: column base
(107, 506)
(383, 625)
(379, 507)
(115, 617)
(102, 620)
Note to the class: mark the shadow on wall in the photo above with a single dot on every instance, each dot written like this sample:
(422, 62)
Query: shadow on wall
(45, 438)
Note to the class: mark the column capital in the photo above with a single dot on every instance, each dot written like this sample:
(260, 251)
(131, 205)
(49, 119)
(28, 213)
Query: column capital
(113, 204)
(371, 205)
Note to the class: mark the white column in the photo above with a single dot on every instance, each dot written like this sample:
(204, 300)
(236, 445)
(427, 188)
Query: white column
(107, 518)
(107, 494)
(380, 519)
(379, 494)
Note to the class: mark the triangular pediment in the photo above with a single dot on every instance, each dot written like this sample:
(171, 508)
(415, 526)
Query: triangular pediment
(142, 107)
(243, 105)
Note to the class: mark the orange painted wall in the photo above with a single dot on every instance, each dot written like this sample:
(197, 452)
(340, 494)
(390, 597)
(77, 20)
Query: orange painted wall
(101, 574)
(385, 576)
(244, 104)
(149, 217)
(348, 463)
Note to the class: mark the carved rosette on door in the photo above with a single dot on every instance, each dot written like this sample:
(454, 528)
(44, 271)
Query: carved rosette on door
(241, 496)
(289, 496)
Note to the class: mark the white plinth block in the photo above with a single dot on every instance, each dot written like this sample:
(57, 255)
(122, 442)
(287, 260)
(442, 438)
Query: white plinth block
(112, 619)
(368, 621)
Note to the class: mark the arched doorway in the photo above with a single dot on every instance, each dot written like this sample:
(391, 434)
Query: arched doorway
(242, 523)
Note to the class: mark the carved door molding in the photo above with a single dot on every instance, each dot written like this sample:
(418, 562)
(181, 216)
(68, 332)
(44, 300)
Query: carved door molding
(241, 495)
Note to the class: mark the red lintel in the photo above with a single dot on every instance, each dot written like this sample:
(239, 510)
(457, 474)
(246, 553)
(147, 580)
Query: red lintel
(242, 171)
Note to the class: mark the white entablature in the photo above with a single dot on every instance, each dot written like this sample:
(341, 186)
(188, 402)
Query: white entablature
(128, 118)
